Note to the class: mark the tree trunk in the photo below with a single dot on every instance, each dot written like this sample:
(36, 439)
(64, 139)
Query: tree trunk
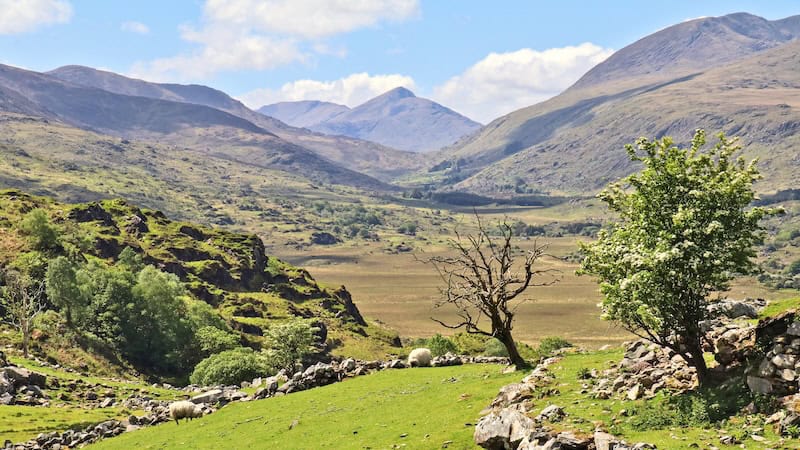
(513, 354)
(699, 363)
(26, 336)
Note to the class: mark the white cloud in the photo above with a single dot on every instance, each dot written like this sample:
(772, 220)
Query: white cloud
(503, 82)
(351, 90)
(20, 16)
(251, 34)
(309, 18)
(135, 27)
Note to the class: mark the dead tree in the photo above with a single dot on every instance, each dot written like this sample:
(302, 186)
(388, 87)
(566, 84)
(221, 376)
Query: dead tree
(483, 281)
(22, 301)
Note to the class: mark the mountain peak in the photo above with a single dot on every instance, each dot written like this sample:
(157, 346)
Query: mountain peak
(397, 93)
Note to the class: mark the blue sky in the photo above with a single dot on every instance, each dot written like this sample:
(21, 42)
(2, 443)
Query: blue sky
(481, 58)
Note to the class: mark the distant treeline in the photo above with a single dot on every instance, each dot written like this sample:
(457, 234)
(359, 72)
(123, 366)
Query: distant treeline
(468, 199)
(780, 196)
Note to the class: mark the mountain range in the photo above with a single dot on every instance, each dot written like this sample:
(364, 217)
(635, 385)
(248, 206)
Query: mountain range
(396, 118)
(739, 74)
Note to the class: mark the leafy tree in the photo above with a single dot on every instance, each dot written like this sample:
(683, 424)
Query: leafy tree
(288, 343)
(685, 228)
(21, 302)
(42, 234)
(483, 280)
(213, 340)
(62, 287)
(230, 367)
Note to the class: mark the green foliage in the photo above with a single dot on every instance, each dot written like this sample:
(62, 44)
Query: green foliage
(494, 347)
(409, 228)
(469, 344)
(41, 234)
(550, 345)
(440, 345)
(685, 229)
(62, 287)
(793, 268)
(287, 343)
(230, 367)
(213, 340)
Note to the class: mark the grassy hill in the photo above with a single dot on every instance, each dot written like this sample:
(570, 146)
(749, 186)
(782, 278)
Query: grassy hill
(231, 272)
(412, 408)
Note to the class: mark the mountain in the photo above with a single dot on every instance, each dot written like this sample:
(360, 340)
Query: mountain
(201, 127)
(574, 142)
(354, 154)
(397, 119)
(304, 113)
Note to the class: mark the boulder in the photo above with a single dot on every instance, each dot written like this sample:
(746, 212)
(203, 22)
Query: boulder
(759, 385)
(552, 413)
(502, 430)
(22, 377)
(211, 396)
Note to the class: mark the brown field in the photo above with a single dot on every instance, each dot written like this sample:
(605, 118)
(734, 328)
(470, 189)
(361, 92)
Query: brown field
(400, 291)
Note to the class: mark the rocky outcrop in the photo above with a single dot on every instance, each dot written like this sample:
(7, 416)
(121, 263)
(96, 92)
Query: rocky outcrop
(20, 386)
(778, 373)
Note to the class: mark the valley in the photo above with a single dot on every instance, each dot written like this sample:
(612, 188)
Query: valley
(352, 263)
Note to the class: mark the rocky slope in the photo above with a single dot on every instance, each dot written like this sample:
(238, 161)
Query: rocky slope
(397, 119)
(230, 271)
(746, 85)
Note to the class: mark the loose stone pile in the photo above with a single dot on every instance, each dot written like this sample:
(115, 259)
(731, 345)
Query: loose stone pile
(778, 373)
(20, 386)
(644, 370)
(508, 425)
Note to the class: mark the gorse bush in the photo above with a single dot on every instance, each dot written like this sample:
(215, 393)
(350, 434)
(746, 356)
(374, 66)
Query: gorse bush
(550, 345)
(494, 347)
(440, 345)
(231, 367)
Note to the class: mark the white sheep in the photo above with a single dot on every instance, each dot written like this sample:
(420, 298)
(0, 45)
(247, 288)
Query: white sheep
(184, 410)
(420, 357)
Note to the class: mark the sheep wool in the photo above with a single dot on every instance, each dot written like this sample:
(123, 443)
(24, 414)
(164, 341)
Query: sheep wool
(184, 410)
(420, 357)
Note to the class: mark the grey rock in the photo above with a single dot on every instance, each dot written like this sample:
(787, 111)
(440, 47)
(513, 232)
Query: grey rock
(502, 430)
(211, 396)
(552, 413)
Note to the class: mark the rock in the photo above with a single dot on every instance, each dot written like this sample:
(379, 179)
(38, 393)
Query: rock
(759, 385)
(552, 413)
(91, 395)
(733, 309)
(794, 329)
(348, 365)
(22, 377)
(635, 392)
(107, 402)
(605, 441)
(502, 430)
(784, 361)
(211, 396)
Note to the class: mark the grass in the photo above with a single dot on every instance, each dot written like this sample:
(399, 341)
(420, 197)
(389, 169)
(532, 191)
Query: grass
(415, 408)
(20, 423)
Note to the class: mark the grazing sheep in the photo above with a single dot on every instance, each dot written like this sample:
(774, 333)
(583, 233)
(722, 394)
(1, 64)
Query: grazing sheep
(420, 357)
(184, 410)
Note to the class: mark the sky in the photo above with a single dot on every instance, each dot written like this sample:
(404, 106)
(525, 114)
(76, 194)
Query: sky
(480, 58)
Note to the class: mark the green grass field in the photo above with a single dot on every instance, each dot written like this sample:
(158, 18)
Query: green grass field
(412, 408)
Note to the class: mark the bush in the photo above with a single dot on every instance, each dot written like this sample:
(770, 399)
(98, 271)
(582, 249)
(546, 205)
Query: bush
(40, 232)
(288, 343)
(230, 367)
(495, 348)
(550, 344)
(439, 345)
(469, 344)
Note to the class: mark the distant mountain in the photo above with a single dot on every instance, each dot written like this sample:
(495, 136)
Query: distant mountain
(355, 154)
(201, 127)
(397, 119)
(304, 113)
(747, 84)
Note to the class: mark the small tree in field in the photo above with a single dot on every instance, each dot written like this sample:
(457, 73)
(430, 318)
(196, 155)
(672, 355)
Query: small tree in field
(482, 281)
(685, 230)
(21, 301)
(288, 343)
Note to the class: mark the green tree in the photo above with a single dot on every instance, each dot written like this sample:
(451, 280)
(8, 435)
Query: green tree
(685, 229)
(62, 287)
(42, 234)
(288, 343)
(213, 340)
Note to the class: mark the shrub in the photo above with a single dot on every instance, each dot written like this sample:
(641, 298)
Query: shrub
(550, 344)
(469, 344)
(230, 367)
(40, 232)
(288, 343)
(439, 345)
(495, 348)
